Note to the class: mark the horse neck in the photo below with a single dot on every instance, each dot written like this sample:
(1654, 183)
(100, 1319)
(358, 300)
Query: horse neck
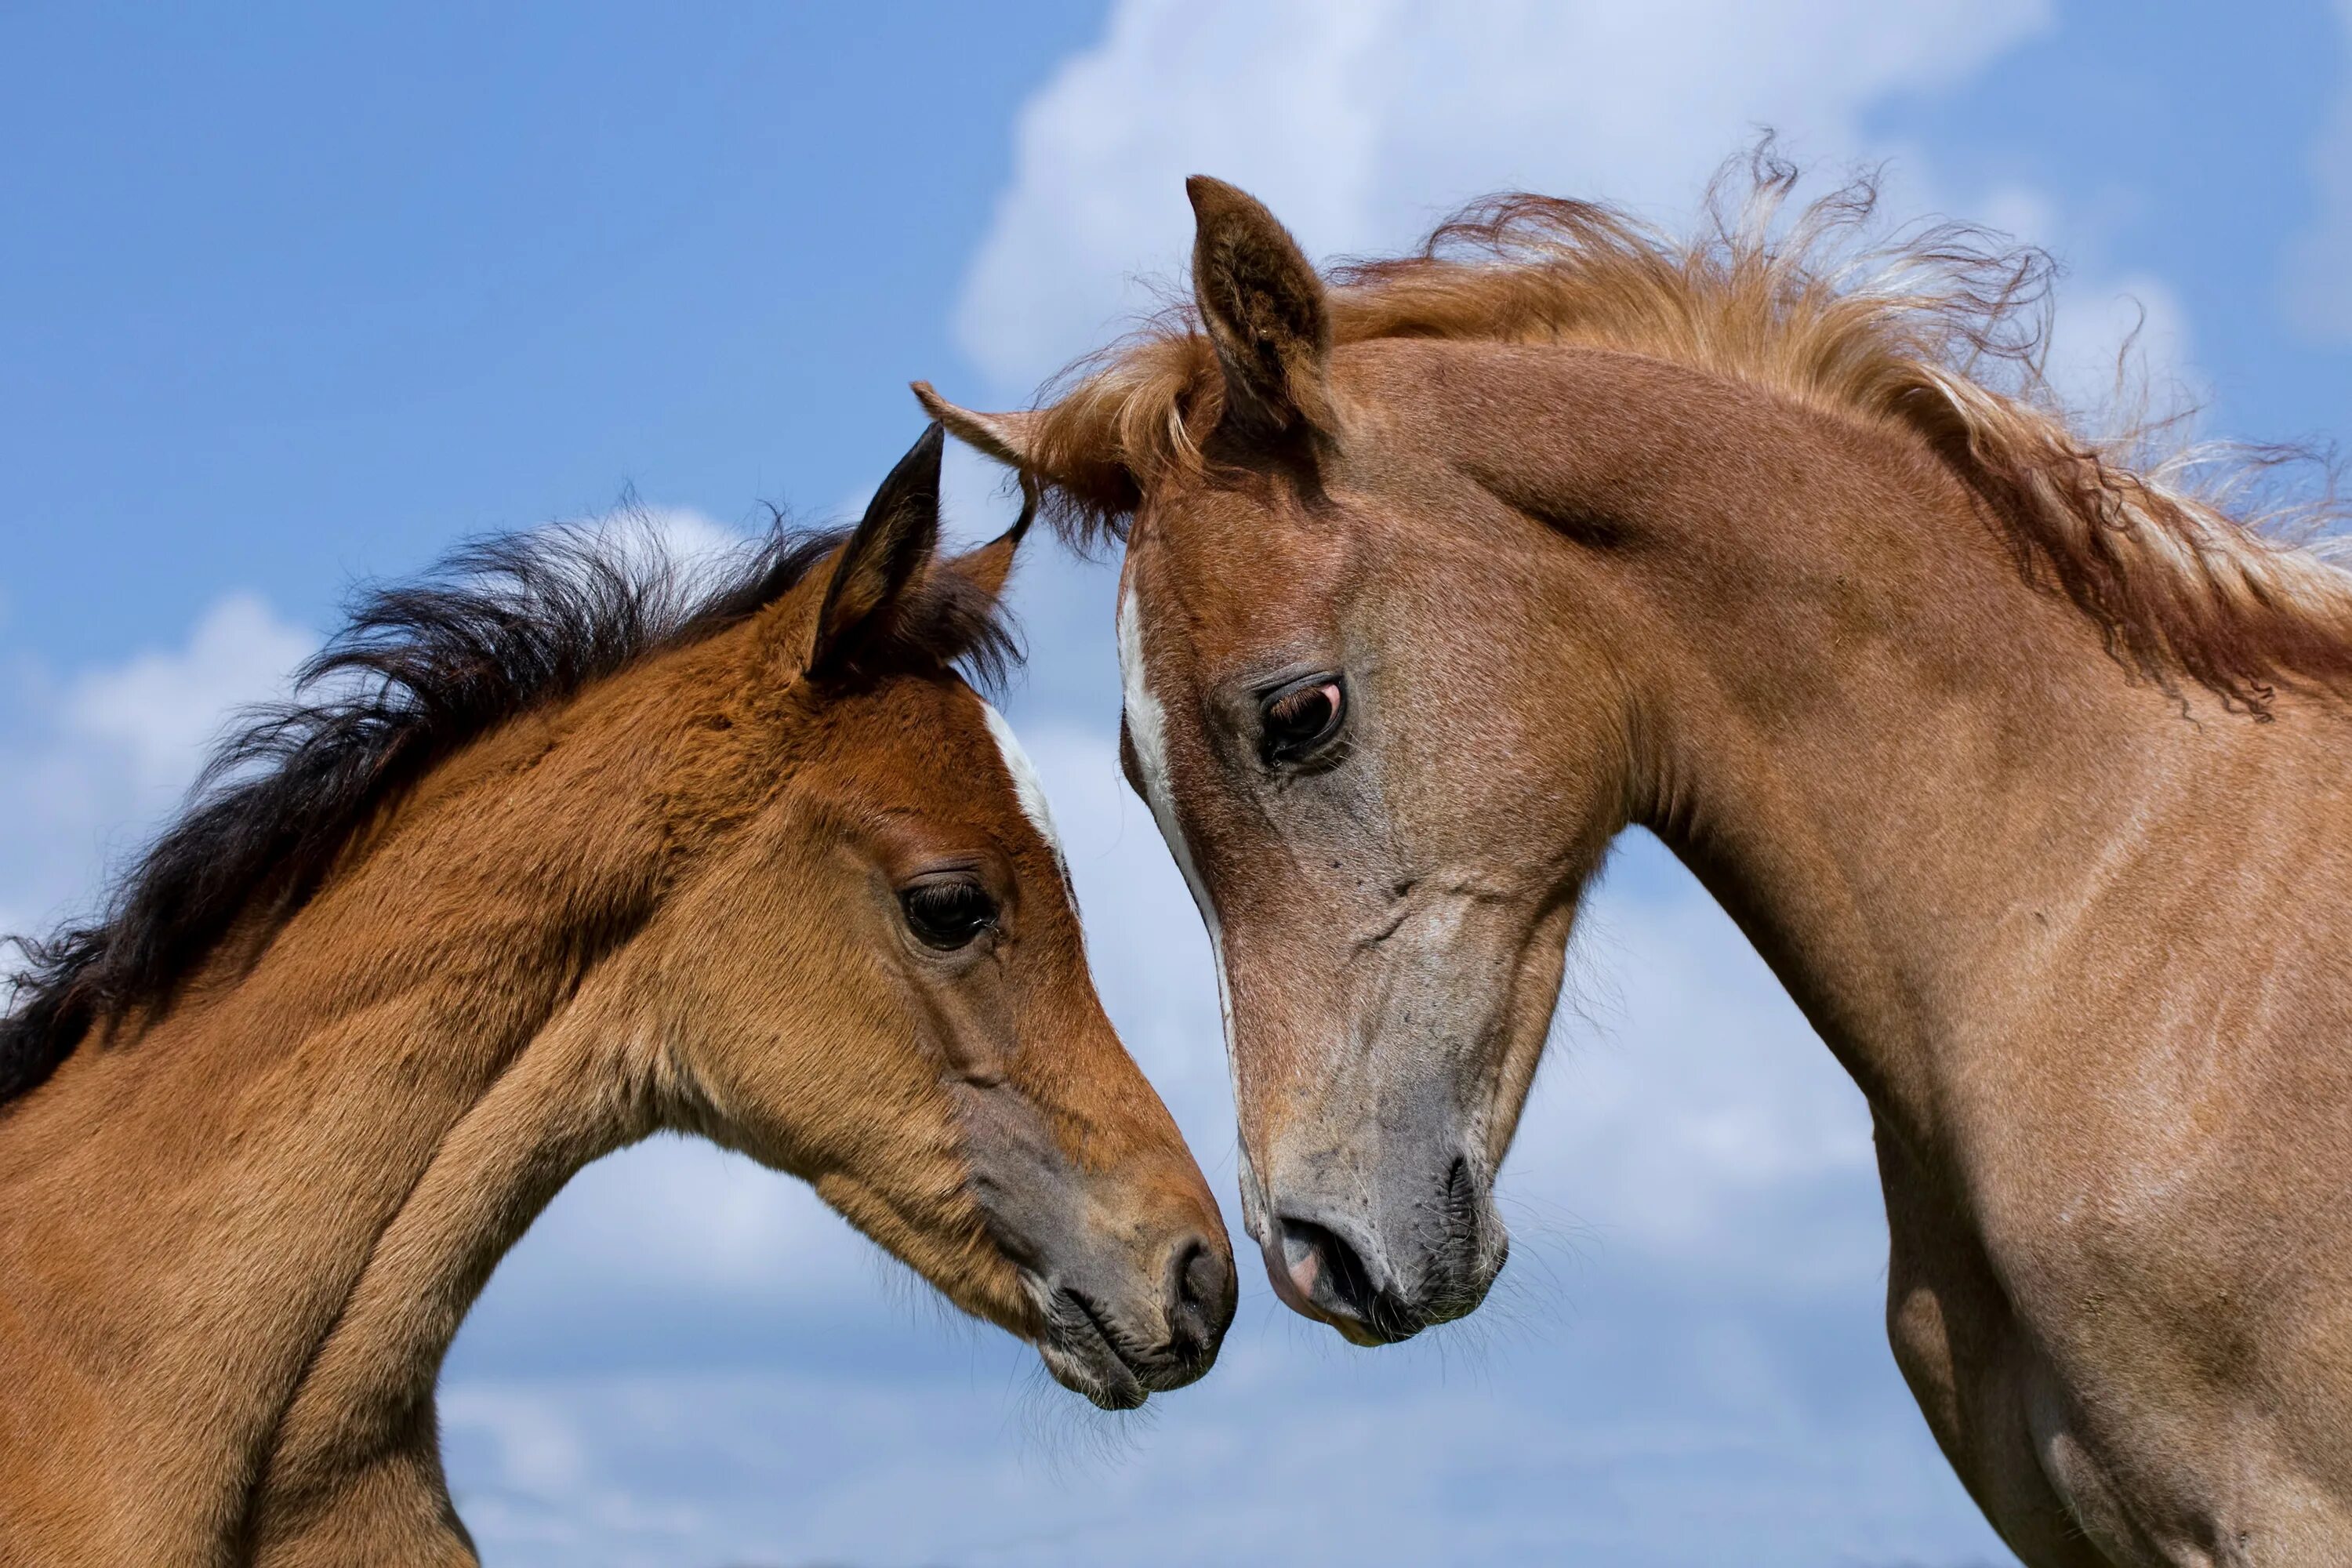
(365, 1407)
(308, 1168)
(1912, 778)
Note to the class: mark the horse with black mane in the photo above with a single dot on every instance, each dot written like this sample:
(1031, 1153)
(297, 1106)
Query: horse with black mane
(568, 853)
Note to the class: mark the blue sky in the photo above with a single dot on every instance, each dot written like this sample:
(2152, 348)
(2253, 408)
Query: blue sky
(293, 295)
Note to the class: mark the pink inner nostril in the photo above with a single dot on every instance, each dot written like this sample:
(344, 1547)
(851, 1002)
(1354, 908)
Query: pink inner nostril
(1301, 1268)
(1305, 1271)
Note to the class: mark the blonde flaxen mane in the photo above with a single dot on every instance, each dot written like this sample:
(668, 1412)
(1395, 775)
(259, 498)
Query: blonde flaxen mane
(1940, 329)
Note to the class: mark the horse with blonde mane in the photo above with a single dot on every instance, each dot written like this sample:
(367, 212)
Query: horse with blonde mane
(570, 855)
(2028, 771)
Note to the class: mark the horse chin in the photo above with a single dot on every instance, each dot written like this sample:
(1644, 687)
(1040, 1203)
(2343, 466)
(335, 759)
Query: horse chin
(1083, 1360)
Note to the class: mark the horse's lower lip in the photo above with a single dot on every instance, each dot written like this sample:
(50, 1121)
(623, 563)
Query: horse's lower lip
(1082, 1355)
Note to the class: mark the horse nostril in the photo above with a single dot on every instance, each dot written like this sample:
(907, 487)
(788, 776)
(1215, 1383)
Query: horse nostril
(1327, 1270)
(1201, 1297)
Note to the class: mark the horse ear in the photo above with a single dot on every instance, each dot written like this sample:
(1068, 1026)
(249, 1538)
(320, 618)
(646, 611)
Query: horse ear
(883, 558)
(1263, 305)
(990, 566)
(1100, 482)
(1010, 438)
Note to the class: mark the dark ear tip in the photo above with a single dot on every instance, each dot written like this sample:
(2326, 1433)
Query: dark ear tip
(921, 466)
(1209, 194)
(909, 492)
(1030, 492)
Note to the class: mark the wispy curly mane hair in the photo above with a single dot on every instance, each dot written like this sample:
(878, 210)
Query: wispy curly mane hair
(1942, 329)
(504, 627)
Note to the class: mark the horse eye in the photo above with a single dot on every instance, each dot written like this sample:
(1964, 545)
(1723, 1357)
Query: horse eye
(1298, 721)
(947, 914)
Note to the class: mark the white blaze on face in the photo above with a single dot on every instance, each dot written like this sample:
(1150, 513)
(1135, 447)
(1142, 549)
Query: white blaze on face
(1146, 733)
(1147, 736)
(1027, 786)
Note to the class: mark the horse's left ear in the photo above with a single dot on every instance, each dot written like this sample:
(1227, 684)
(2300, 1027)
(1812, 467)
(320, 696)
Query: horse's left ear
(883, 558)
(990, 566)
(1263, 305)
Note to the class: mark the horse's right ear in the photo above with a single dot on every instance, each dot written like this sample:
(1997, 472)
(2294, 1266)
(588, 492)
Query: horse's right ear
(990, 567)
(1263, 305)
(1010, 438)
(883, 559)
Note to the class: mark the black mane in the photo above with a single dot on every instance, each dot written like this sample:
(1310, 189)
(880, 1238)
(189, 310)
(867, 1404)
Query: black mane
(504, 626)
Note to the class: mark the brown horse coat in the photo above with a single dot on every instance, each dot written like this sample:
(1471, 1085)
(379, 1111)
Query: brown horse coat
(585, 859)
(2028, 772)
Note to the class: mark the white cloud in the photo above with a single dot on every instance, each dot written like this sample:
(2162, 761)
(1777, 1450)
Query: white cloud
(163, 710)
(538, 1452)
(2119, 343)
(1626, 1462)
(1686, 1108)
(1359, 124)
(681, 534)
(2319, 266)
(100, 755)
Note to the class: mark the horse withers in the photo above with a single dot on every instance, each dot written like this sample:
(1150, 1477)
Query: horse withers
(2029, 771)
(569, 854)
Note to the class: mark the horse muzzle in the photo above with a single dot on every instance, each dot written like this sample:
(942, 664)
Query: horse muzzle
(1119, 1353)
(1381, 1263)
